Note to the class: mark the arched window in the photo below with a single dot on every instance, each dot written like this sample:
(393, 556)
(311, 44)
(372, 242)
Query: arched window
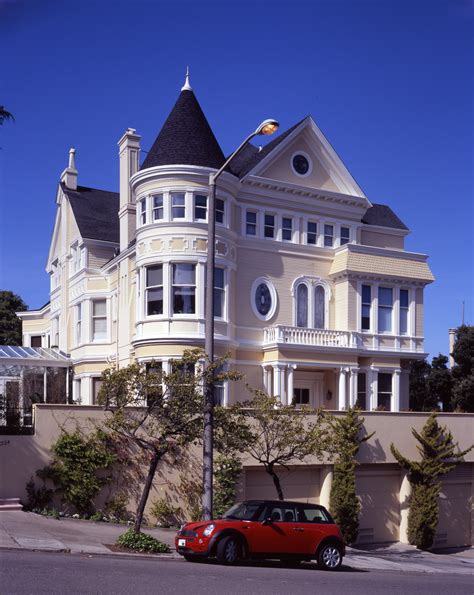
(302, 305)
(319, 306)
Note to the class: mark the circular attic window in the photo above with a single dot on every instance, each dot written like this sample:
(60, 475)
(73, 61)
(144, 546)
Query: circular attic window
(301, 164)
(263, 298)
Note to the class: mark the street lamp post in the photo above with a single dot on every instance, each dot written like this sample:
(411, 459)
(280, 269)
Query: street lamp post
(267, 127)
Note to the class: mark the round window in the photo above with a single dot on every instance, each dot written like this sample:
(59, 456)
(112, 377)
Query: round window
(301, 164)
(263, 299)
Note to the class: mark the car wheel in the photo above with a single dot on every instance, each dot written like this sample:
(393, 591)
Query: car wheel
(228, 550)
(330, 556)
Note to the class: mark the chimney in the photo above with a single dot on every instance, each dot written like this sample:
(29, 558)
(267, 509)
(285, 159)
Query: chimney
(129, 152)
(452, 337)
(69, 175)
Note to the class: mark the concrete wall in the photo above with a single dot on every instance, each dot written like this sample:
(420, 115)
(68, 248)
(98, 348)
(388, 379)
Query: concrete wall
(381, 484)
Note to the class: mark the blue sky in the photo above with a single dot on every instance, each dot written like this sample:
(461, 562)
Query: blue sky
(389, 82)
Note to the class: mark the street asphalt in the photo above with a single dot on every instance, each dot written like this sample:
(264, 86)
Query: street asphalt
(27, 531)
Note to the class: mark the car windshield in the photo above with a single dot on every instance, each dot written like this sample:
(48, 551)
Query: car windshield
(243, 511)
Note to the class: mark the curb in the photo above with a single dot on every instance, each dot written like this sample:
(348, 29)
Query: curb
(170, 556)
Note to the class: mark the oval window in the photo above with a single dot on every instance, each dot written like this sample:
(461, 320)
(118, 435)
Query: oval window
(263, 298)
(300, 164)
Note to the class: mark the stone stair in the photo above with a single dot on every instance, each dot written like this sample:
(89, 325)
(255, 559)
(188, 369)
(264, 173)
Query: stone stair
(10, 504)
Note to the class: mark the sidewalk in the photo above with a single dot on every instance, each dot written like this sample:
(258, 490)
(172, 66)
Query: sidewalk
(25, 530)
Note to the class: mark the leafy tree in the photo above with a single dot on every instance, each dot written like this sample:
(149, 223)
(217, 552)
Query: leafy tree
(419, 373)
(440, 383)
(5, 115)
(281, 434)
(78, 468)
(344, 504)
(158, 414)
(438, 455)
(10, 324)
(463, 371)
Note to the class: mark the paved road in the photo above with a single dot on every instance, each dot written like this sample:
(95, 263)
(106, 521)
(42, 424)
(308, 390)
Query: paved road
(24, 572)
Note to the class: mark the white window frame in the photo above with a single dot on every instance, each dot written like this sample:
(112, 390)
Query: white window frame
(95, 317)
(349, 237)
(205, 207)
(142, 211)
(223, 211)
(392, 330)
(408, 332)
(291, 229)
(79, 307)
(274, 226)
(223, 290)
(310, 163)
(172, 195)
(311, 283)
(172, 313)
(148, 287)
(273, 294)
(324, 234)
(307, 232)
(256, 213)
(155, 209)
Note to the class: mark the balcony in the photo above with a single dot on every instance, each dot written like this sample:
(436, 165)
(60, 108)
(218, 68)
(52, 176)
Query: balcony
(314, 337)
(294, 335)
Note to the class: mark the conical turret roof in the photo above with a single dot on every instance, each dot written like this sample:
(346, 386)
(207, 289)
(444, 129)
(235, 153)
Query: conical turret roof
(186, 137)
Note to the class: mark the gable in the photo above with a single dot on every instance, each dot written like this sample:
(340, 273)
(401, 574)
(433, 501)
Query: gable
(326, 170)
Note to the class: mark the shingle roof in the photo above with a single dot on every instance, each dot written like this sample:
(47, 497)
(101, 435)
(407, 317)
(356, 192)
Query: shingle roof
(382, 215)
(186, 138)
(252, 156)
(96, 212)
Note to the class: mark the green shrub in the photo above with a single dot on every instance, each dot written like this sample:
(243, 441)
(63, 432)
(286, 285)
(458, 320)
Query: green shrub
(38, 498)
(165, 513)
(227, 470)
(117, 506)
(141, 542)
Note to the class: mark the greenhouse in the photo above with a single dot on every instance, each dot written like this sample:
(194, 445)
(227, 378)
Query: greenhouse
(30, 375)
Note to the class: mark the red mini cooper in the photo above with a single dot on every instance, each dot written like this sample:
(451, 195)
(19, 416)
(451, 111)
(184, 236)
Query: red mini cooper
(290, 531)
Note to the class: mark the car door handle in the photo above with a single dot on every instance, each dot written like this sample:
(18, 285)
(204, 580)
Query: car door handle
(300, 529)
(245, 527)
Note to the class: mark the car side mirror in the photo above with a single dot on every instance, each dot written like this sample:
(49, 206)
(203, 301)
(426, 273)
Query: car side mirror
(266, 521)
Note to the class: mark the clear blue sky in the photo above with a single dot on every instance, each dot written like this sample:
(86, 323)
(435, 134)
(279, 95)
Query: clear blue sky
(389, 82)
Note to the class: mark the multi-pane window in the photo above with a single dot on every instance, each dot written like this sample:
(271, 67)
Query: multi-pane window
(75, 258)
(158, 207)
(269, 227)
(361, 402)
(366, 306)
(311, 233)
(328, 236)
(96, 386)
(404, 308)
(302, 305)
(178, 205)
(143, 211)
(184, 288)
(384, 391)
(200, 207)
(154, 290)
(78, 323)
(220, 210)
(99, 320)
(287, 229)
(251, 223)
(385, 309)
(301, 396)
(319, 306)
(35, 341)
(219, 293)
(345, 235)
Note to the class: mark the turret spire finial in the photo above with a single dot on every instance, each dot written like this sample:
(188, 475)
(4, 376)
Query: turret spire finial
(72, 158)
(186, 86)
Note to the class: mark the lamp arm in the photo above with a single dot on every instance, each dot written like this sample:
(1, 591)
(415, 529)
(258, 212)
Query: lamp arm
(234, 154)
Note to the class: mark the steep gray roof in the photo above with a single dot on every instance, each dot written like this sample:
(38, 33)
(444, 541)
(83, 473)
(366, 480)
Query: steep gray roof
(96, 212)
(382, 215)
(186, 138)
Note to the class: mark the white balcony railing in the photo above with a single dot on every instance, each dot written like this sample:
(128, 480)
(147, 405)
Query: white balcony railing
(295, 335)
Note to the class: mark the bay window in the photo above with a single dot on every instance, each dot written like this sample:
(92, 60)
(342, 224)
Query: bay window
(384, 391)
(78, 323)
(158, 207)
(219, 293)
(385, 295)
(99, 320)
(404, 308)
(154, 290)
(178, 208)
(184, 288)
(200, 207)
(220, 210)
(366, 307)
(143, 211)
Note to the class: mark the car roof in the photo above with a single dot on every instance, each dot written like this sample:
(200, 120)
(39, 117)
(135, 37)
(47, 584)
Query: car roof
(283, 502)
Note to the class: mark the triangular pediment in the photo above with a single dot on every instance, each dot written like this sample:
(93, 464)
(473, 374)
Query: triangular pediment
(325, 169)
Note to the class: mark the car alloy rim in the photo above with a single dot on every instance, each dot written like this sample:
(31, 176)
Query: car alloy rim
(331, 557)
(231, 551)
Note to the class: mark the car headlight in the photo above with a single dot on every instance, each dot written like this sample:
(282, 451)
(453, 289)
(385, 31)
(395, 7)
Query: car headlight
(208, 530)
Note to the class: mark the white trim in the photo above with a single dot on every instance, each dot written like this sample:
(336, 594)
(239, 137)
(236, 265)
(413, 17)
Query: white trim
(308, 159)
(273, 294)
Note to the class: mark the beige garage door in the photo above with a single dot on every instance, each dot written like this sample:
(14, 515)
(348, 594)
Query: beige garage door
(297, 484)
(378, 488)
(455, 509)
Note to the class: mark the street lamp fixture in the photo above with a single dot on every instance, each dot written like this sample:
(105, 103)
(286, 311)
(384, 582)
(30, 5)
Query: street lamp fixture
(267, 127)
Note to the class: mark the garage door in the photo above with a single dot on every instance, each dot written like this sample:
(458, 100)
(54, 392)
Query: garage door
(455, 508)
(297, 484)
(378, 488)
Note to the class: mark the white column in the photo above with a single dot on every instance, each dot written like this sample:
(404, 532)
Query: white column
(373, 388)
(395, 404)
(341, 404)
(353, 386)
(405, 491)
(290, 384)
(276, 380)
(45, 384)
(326, 478)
